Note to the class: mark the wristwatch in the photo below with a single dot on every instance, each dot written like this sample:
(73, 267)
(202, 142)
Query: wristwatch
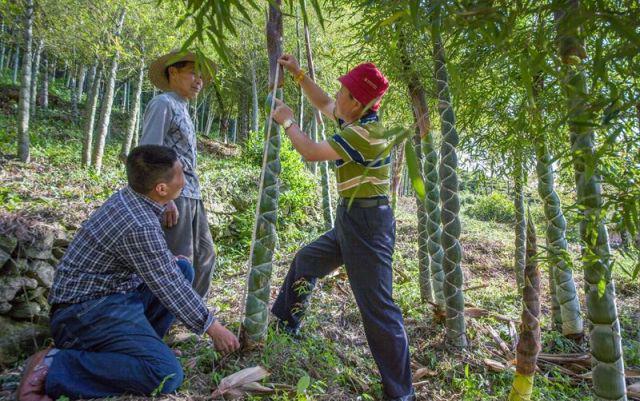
(287, 123)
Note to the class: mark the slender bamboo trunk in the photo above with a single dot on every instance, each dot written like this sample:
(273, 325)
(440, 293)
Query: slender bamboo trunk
(67, 74)
(233, 126)
(397, 168)
(3, 47)
(529, 343)
(264, 232)
(107, 103)
(44, 96)
(133, 120)
(455, 324)
(521, 222)
(74, 94)
(89, 116)
(243, 120)
(16, 64)
(25, 85)
(8, 57)
(207, 130)
(327, 208)
(605, 339)
(255, 126)
(82, 74)
(224, 128)
(34, 77)
(88, 81)
(54, 66)
(300, 92)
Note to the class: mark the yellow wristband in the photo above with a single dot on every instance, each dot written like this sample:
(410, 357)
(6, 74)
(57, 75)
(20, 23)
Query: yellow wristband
(299, 76)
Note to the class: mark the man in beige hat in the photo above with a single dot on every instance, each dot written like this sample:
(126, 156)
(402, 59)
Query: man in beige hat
(167, 122)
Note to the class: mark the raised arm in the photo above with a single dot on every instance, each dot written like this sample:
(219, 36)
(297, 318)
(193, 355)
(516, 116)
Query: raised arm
(309, 149)
(318, 98)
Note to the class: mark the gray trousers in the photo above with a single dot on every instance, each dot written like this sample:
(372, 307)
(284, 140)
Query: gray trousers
(191, 237)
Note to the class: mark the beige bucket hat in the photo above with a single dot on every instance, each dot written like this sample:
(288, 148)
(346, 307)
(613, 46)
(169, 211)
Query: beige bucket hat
(157, 68)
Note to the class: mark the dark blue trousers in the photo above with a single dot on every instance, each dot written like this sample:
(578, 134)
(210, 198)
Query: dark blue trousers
(362, 240)
(113, 345)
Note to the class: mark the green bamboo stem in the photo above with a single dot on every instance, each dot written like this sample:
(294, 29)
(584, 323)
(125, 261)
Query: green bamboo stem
(529, 342)
(264, 233)
(605, 339)
(455, 324)
(432, 204)
(430, 251)
(426, 290)
(563, 283)
(521, 224)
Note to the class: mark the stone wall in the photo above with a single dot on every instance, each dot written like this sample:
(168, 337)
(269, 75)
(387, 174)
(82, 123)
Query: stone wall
(29, 252)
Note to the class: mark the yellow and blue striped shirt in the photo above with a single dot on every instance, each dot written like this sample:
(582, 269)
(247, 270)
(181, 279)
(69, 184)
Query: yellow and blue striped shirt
(365, 167)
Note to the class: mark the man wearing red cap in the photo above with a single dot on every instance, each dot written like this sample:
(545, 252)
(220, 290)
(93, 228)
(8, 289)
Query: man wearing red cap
(363, 237)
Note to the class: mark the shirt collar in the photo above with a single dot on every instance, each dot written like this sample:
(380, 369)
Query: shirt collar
(369, 117)
(155, 206)
(177, 97)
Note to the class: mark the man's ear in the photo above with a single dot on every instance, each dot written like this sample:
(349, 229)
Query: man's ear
(171, 70)
(161, 189)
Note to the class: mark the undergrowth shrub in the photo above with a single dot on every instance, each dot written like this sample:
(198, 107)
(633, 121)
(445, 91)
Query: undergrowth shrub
(494, 207)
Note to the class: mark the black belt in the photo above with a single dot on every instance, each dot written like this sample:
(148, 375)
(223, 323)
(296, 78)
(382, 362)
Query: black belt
(364, 202)
(58, 306)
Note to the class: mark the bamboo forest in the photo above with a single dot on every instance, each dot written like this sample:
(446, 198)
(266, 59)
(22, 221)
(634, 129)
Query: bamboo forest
(320, 200)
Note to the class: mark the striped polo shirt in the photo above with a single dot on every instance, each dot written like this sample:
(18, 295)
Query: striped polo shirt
(359, 149)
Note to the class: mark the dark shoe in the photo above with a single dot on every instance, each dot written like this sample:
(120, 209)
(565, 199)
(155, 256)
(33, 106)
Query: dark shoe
(31, 386)
(410, 397)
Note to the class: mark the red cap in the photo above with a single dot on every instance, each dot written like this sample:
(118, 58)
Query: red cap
(366, 83)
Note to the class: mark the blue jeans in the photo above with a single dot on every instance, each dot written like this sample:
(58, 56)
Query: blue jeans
(362, 240)
(113, 345)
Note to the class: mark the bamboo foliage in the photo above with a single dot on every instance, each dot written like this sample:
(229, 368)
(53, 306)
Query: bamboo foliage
(453, 278)
(264, 232)
(605, 339)
(529, 343)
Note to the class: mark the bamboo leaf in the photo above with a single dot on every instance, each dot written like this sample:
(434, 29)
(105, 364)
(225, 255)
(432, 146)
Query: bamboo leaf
(602, 285)
(624, 28)
(316, 7)
(414, 170)
(393, 18)
(303, 384)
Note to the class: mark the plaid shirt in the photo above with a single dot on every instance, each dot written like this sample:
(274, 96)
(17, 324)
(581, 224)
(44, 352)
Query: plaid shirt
(118, 248)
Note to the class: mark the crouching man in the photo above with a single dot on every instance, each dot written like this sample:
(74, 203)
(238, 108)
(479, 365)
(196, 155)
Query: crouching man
(117, 291)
